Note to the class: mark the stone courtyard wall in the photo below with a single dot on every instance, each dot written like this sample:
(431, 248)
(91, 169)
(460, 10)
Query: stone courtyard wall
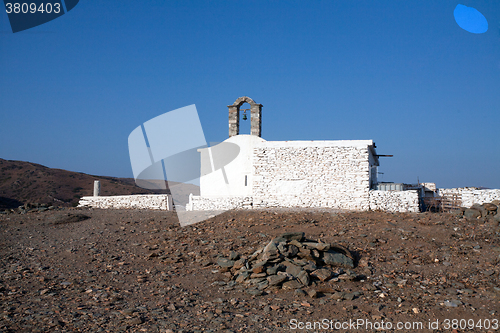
(150, 201)
(392, 201)
(395, 201)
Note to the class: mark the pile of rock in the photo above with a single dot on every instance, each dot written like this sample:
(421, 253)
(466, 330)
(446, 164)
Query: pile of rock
(29, 207)
(485, 210)
(289, 262)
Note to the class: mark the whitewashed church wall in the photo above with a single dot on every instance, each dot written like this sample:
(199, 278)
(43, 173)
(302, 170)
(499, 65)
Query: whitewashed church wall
(235, 178)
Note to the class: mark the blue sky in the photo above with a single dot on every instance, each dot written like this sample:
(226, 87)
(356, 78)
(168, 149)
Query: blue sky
(402, 73)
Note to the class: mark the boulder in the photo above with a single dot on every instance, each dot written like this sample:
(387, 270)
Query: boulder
(480, 208)
(337, 259)
(491, 208)
(472, 213)
(288, 236)
(322, 274)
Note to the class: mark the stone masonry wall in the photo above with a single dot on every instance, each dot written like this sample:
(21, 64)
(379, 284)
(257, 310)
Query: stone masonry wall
(218, 203)
(454, 191)
(305, 176)
(392, 201)
(395, 201)
(471, 195)
(150, 201)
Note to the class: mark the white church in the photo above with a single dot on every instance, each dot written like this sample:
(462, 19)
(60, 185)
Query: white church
(246, 171)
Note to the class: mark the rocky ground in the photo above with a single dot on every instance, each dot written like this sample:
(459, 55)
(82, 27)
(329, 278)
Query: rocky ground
(89, 270)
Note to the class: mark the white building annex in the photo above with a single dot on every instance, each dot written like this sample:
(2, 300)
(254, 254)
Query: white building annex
(246, 171)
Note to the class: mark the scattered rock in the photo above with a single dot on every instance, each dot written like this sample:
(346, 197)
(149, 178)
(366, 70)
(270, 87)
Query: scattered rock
(93, 276)
(289, 236)
(292, 284)
(69, 218)
(322, 274)
(452, 303)
(224, 262)
(276, 279)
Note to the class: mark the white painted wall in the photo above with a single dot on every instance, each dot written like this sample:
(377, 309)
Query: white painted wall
(214, 184)
(139, 201)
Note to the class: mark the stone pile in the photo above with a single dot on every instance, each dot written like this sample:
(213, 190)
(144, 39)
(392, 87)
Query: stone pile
(289, 262)
(29, 208)
(485, 210)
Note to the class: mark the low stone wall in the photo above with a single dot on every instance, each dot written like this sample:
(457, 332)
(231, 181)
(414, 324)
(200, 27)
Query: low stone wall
(149, 201)
(470, 195)
(479, 197)
(394, 201)
(442, 192)
(218, 203)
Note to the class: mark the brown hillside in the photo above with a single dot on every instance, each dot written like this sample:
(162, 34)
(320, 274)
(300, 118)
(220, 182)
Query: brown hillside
(25, 182)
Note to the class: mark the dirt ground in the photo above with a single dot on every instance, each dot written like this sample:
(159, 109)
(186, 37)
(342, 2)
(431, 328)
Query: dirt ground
(91, 270)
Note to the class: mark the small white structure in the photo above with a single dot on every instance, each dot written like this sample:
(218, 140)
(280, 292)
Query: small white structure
(97, 188)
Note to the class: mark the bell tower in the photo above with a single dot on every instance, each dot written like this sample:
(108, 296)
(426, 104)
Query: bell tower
(255, 116)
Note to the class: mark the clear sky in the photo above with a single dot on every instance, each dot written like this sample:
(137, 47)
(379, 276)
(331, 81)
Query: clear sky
(402, 73)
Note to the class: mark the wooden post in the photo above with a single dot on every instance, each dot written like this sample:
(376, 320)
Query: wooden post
(97, 188)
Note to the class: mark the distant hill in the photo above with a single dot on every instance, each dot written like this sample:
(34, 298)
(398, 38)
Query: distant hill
(25, 182)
